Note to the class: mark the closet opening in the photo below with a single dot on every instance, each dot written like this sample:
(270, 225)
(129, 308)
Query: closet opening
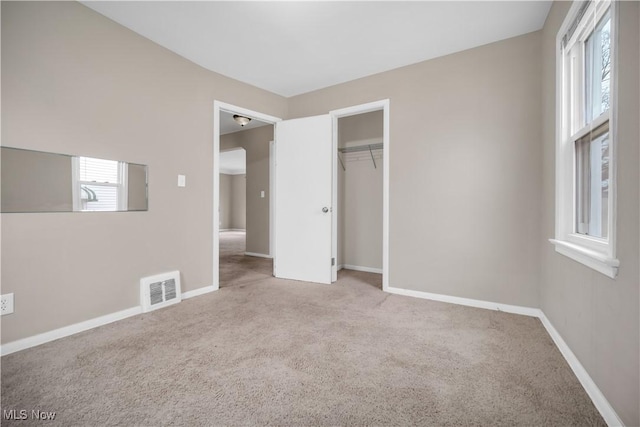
(360, 178)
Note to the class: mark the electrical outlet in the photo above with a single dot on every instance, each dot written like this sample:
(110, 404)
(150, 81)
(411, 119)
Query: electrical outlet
(6, 304)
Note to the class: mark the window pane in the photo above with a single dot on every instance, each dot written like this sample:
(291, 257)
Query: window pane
(98, 198)
(598, 69)
(592, 185)
(98, 170)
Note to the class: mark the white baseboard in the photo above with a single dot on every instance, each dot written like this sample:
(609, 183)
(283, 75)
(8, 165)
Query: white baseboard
(599, 400)
(507, 308)
(257, 255)
(233, 229)
(66, 331)
(359, 268)
(198, 292)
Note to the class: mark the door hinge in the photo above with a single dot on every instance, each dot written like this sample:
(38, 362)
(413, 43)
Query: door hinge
(333, 262)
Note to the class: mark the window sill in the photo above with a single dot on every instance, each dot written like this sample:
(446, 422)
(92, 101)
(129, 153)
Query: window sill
(592, 259)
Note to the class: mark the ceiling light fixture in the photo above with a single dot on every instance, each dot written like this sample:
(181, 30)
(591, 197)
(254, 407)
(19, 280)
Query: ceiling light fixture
(241, 120)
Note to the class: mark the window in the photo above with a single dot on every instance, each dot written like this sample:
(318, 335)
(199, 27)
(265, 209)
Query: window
(592, 184)
(585, 162)
(99, 185)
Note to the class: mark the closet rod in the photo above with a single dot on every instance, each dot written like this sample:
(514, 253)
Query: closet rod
(364, 147)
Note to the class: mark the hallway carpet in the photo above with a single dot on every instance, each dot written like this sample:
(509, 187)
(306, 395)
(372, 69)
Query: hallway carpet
(235, 267)
(280, 352)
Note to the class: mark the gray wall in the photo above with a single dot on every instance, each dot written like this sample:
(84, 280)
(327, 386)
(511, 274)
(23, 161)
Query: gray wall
(233, 201)
(238, 202)
(360, 193)
(96, 89)
(597, 316)
(256, 143)
(465, 178)
(225, 201)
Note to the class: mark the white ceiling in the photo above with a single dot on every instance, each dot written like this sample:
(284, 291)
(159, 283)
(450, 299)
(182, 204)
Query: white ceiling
(228, 125)
(233, 162)
(291, 48)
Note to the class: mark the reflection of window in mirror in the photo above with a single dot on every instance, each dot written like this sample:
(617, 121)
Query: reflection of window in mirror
(99, 185)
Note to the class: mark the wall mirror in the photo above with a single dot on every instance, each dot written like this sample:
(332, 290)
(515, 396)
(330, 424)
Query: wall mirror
(36, 181)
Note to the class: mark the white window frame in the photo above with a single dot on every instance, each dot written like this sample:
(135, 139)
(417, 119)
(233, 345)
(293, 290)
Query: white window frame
(596, 253)
(121, 186)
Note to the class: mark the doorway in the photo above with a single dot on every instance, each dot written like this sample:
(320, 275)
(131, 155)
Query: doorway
(242, 219)
(377, 145)
(360, 194)
(233, 213)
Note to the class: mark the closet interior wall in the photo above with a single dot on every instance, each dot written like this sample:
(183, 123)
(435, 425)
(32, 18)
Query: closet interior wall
(360, 192)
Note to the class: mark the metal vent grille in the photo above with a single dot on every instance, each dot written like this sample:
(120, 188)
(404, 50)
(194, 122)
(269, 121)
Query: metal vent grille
(160, 291)
(155, 293)
(169, 289)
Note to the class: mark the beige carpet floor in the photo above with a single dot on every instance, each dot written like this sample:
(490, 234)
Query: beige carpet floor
(278, 352)
(235, 267)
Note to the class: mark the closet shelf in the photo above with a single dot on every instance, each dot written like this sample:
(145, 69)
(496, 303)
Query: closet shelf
(365, 147)
(357, 148)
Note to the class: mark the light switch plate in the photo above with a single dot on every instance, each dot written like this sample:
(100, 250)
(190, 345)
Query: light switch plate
(182, 181)
(262, 194)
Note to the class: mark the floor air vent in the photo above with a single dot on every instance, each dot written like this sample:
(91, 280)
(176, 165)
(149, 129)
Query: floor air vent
(160, 291)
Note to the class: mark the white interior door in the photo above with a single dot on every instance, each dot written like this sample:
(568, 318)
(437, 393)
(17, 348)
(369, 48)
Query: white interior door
(303, 178)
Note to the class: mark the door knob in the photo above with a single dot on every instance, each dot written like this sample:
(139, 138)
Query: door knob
(325, 209)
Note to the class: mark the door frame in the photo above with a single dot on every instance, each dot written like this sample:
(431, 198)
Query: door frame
(218, 107)
(272, 196)
(383, 105)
